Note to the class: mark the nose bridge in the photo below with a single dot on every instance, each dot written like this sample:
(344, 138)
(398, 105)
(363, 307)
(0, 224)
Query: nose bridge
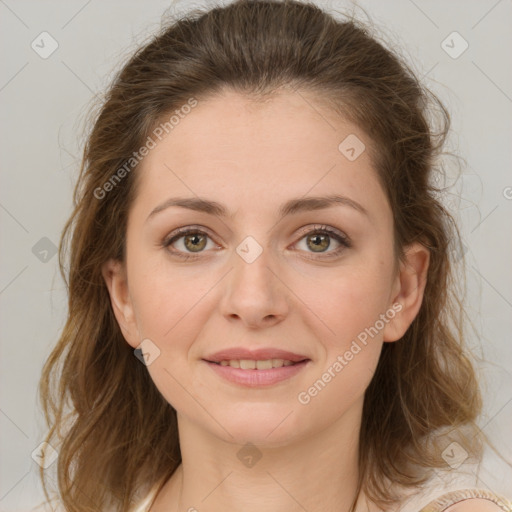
(254, 293)
(252, 261)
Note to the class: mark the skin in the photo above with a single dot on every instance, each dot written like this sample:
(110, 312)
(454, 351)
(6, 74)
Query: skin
(253, 158)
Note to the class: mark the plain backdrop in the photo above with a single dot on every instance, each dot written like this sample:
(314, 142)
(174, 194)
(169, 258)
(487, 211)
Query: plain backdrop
(44, 99)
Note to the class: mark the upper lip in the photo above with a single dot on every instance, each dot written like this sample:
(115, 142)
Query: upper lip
(261, 354)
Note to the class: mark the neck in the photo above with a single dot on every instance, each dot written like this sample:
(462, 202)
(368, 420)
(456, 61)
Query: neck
(316, 473)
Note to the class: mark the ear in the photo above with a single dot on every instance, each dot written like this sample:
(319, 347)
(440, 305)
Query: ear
(408, 289)
(114, 274)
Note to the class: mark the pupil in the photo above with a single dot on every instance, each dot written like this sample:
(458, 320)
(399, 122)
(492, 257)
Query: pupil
(317, 242)
(193, 239)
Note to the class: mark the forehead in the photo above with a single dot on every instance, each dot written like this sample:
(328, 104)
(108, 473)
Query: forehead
(243, 151)
(291, 124)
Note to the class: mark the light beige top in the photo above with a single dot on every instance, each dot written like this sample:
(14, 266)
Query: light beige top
(447, 500)
(437, 505)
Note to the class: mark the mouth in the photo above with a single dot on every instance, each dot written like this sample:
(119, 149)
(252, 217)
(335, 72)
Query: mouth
(257, 364)
(251, 373)
(256, 367)
(267, 357)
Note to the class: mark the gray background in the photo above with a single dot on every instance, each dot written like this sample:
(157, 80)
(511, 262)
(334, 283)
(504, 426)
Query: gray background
(44, 102)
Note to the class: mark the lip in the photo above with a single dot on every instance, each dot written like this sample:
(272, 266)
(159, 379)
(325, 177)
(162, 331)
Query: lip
(257, 378)
(261, 354)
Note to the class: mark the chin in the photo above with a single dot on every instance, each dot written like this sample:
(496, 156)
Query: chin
(260, 424)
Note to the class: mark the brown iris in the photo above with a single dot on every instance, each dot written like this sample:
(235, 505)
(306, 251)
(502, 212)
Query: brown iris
(322, 242)
(195, 242)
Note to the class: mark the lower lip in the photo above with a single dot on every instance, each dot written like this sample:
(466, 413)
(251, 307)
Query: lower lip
(257, 378)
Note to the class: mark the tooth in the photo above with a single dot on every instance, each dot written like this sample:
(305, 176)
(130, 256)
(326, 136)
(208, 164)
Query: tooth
(264, 365)
(251, 364)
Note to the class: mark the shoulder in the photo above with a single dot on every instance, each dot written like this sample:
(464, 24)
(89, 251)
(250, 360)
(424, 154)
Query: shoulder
(469, 500)
(475, 505)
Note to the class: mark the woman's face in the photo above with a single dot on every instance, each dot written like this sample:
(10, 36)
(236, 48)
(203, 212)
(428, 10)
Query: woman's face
(261, 276)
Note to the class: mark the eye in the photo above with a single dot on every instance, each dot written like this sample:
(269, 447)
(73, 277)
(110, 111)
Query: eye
(192, 239)
(318, 239)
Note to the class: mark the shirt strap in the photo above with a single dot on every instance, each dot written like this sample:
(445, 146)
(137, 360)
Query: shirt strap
(446, 500)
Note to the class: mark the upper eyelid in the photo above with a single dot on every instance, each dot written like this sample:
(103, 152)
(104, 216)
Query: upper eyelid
(303, 230)
(180, 232)
(323, 227)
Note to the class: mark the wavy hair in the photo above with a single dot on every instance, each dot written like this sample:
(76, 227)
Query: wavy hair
(114, 431)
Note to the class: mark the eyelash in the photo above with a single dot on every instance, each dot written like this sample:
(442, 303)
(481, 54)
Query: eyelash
(317, 229)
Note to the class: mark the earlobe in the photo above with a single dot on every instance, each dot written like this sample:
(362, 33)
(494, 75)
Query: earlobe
(114, 274)
(409, 289)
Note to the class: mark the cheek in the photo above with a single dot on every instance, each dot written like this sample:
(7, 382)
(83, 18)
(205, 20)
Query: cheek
(166, 299)
(168, 306)
(350, 302)
(354, 308)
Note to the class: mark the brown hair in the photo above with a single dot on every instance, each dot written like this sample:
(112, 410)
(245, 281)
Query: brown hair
(113, 429)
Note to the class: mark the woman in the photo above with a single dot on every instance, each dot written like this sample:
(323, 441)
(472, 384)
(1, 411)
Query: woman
(261, 307)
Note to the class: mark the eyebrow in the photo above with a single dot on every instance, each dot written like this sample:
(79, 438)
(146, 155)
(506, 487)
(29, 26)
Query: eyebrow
(291, 207)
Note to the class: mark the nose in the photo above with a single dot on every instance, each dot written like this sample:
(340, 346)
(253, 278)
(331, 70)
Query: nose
(254, 293)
